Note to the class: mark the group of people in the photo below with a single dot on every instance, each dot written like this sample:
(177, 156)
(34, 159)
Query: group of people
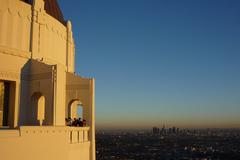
(75, 122)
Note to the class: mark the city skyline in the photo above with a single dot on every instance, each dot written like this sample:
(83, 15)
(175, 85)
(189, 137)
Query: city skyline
(160, 62)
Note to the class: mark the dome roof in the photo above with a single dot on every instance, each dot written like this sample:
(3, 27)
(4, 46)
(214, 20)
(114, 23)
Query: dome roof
(52, 8)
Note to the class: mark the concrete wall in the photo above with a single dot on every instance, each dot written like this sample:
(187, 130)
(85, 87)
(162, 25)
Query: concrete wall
(51, 41)
(15, 24)
(55, 143)
(30, 29)
(83, 90)
(29, 35)
(37, 57)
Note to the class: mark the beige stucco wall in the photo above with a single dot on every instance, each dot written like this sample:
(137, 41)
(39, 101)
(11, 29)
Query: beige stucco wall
(37, 57)
(83, 90)
(40, 50)
(44, 37)
(52, 143)
(15, 24)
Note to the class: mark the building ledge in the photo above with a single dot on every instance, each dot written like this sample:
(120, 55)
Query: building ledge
(8, 133)
(73, 135)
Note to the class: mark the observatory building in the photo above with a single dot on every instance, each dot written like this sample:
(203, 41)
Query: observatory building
(39, 88)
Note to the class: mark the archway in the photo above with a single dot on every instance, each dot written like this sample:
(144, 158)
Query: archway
(75, 109)
(38, 109)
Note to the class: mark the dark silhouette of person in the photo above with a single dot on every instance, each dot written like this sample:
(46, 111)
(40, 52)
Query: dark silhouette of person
(80, 123)
(68, 121)
(75, 122)
(84, 123)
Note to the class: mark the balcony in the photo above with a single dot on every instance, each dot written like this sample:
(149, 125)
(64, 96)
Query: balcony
(78, 134)
(60, 142)
(74, 134)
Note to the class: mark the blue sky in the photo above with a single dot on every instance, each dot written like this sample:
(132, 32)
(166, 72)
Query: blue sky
(160, 61)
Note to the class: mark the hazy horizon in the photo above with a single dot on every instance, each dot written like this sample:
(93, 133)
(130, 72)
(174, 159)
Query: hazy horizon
(160, 62)
(135, 126)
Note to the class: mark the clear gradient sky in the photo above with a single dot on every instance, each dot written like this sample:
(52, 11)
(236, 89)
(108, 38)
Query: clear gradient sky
(173, 62)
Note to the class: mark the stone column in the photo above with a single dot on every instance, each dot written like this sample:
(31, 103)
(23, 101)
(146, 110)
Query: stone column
(70, 49)
(16, 108)
(92, 119)
(59, 97)
(37, 19)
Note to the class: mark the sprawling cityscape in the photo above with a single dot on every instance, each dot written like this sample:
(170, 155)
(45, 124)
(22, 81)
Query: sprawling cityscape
(169, 144)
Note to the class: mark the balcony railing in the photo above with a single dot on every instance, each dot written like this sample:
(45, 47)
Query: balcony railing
(78, 134)
(72, 135)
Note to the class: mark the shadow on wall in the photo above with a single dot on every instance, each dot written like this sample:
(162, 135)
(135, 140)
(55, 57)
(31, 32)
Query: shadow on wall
(36, 94)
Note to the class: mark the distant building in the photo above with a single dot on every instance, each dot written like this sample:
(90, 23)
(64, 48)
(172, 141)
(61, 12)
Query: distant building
(178, 130)
(174, 130)
(163, 130)
(39, 87)
(156, 130)
(169, 130)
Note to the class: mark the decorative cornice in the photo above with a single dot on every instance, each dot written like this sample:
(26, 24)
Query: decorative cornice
(40, 76)
(23, 12)
(77, 86)
(7, 75)
(15, 52)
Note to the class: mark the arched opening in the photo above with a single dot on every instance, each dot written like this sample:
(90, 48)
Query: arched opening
(79, 111)
(74, 113)
(38, 109)
(75, 109)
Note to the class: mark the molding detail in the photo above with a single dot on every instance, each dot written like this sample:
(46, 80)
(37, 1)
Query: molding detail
(32, 77)
(14, 11)
(15, 52)
(77, 86)
(9, 75)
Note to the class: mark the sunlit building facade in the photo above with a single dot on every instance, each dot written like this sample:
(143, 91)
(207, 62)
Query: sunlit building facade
(39, 87)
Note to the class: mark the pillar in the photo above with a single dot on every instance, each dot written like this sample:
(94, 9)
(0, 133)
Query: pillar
(70, 49)
(37, 19)
(59, 96)
(92, 119)
(16, 104)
